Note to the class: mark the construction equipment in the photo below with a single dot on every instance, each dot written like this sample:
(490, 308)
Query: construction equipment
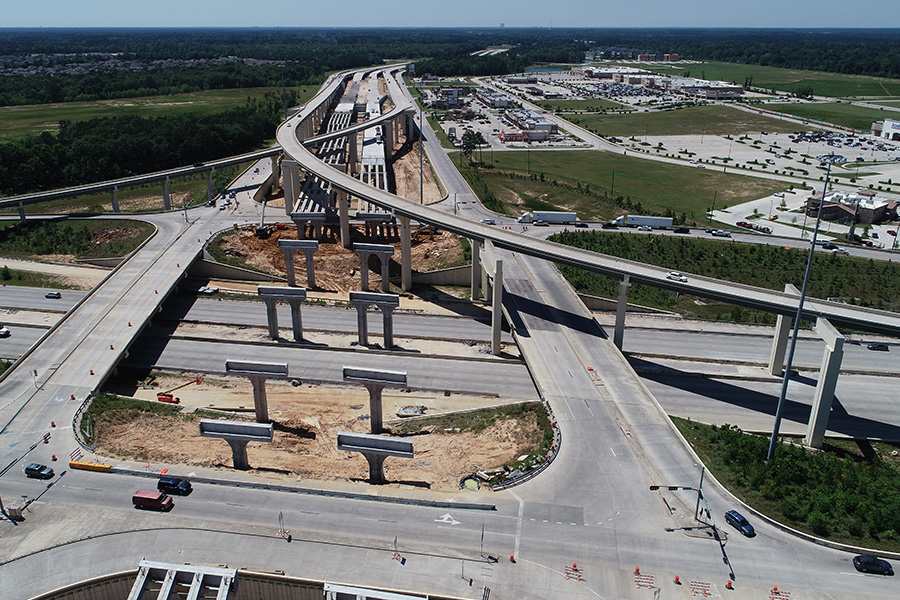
(168, 396)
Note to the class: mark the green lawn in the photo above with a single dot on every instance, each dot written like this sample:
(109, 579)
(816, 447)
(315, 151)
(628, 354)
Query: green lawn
(835, 85)
(16, 121)
(603, 185)
(592, 105)
(846, 115)
(695, 120)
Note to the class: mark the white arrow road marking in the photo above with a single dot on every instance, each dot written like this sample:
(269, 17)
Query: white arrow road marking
(447, 519)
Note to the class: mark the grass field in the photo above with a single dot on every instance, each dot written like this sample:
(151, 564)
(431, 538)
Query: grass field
(16, 121)
(590, 183)
(835, 85)
(846, 115)
(593, 105)
(695, 120)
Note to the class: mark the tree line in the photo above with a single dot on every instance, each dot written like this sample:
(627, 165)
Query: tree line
(113, 147)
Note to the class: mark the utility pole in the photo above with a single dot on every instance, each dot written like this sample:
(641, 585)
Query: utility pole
(421, 160)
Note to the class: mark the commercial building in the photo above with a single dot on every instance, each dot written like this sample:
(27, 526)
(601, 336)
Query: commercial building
(864, 204)
(889, 129)
(530, 121)
(493, 99)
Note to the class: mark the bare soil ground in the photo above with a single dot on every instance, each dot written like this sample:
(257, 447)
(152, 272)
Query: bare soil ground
(336, 267)
(307, 419)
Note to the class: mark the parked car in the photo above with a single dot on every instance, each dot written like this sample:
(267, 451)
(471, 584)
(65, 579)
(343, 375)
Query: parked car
(878, 347)
(55, 295)
(737, 520)
(676, 276)
(866, 563)
(174, 485)
(4, 331)
(38, 471)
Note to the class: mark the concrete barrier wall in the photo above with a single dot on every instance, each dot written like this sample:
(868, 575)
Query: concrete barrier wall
(452, 276)
(109, 587)
(210, 269)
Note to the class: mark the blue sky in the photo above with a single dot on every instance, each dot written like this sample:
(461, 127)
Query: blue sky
(457, 13)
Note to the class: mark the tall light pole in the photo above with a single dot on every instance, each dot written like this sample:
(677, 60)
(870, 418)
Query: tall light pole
(786, 378)
(421, 158)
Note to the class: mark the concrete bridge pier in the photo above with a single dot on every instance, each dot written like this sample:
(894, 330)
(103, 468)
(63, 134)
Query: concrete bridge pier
(497, 308)
(376, 467)
(621, 308)
(257, 373)
(343, 201)
(210, 185)
(294, 296)
(276, 171)
(291, 185)
(375, 380)
(167, 195)
(353, 154)
(405, 254)
(115, 198)
(783, 326)
(290, 247)
(21, 211)
(384, 253)
(828, 377)
(386, 303)
(476, 269)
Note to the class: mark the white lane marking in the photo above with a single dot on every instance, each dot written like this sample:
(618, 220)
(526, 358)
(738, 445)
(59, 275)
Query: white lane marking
(446, 518)
(519, 522)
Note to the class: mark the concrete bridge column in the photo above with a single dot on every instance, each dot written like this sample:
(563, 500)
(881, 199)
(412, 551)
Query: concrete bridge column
(387, 314)
(387, 130)
(497, 309)
(296, 319)
(363, 270)
(375, 410)
(344, 213)
(621, 308)
(353, 154)
(260, 401)
(167, 195)
(21, 211)
(239, 454)
(828, 377)
(310, 267)
(405, 254)
(276, 171)
(115, 198)
(210, 185)
(476, 269)
(292, 187)
(362, 324)
(376, 467)
(272, 316)
(782, 330)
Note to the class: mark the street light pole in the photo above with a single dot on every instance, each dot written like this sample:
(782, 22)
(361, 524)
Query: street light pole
(786, 378)
(421, 161)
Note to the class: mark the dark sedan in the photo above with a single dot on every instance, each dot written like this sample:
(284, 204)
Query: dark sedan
(871, 564)
(38, 471)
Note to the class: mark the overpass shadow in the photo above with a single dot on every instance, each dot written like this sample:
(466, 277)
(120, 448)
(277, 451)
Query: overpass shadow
(516, 303)
(840, 421)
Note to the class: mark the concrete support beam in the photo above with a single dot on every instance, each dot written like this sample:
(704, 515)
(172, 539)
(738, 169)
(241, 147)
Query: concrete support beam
(828, 376)
(276, 171)
(783, 326)
(295, 297)
(343, 201)
(387, 303)
(375, 380)
(292, 187)
(238, 434)
(384, 253)
(258, 373)
(621, 308)
(21, 211)
(115, 198)
(210, 185)
(405, 254)
(497, 309)
(476, 269)
(289, 247)
(167, 195)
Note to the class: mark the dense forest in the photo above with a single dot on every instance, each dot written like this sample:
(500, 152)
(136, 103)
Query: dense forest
(113, 147)
(63, 65)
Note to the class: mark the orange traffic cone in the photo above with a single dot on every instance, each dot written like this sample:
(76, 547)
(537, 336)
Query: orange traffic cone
(677, 580)
(728, 585)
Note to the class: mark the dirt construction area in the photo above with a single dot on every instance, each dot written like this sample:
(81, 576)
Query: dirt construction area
(306, 420)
